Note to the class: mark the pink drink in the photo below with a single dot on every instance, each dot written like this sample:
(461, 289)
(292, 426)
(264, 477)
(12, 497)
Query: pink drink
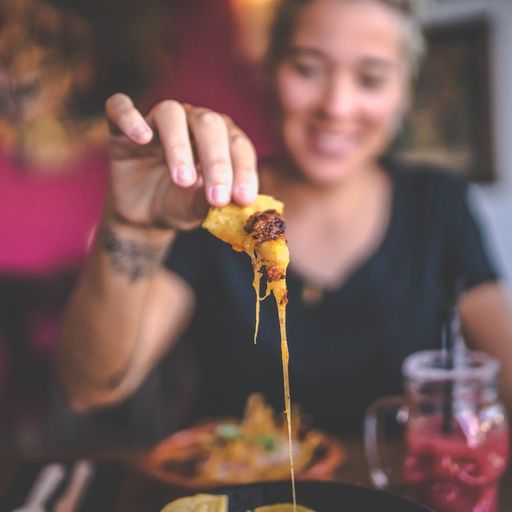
(455, 472)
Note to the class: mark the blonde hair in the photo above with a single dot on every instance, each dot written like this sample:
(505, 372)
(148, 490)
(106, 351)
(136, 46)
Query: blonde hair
(287, 12)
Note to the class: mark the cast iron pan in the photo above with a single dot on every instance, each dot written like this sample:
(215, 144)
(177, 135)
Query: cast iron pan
(320, 496)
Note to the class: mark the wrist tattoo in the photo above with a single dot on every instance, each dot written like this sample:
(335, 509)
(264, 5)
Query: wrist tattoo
(134, 259)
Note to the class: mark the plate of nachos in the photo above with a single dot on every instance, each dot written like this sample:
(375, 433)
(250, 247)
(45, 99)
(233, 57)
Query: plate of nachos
(255, 448)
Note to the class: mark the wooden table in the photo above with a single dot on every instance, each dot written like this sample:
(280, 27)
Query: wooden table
(123, 488)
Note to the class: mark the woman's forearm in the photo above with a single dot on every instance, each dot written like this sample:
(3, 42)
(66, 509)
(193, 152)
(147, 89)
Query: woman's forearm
(486, 314)
(104, 319)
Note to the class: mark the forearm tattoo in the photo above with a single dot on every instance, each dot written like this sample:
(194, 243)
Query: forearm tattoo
(134, 259)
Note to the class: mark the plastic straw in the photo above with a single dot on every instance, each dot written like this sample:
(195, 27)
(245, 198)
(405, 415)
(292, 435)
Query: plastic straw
(448, 351)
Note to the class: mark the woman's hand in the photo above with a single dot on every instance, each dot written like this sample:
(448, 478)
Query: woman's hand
(167, 168)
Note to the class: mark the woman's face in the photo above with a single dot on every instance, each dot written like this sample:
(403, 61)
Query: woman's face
(342, 87)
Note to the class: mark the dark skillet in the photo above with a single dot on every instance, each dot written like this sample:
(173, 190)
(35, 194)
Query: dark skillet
(320, 496)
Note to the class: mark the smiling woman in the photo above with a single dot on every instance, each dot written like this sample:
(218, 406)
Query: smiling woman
(387, 247)
(342, 82)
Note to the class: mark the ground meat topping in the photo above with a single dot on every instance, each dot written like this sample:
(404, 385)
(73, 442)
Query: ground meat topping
(271, 272)
(267, 225)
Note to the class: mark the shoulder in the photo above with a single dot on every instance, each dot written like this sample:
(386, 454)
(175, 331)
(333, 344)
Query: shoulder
(424, 174)
(428, 182)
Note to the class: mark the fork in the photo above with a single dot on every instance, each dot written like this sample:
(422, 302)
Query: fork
(80, 476)
(46, 483)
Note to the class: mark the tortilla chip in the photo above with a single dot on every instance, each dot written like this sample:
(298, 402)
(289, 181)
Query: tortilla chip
(198, 503)
(282, 507)
(228, 222)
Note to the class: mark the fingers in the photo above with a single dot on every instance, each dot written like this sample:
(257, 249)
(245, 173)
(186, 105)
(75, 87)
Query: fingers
(171, 122)
(243, 161)
(212, 143)
(124, 118)
(227, 157)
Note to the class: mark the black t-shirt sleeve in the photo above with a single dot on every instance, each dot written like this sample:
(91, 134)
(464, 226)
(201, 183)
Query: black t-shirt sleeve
(467, 249)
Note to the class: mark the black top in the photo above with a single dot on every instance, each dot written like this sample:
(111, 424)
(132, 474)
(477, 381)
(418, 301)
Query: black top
(347, 348)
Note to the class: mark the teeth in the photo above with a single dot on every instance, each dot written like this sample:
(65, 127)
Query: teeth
(334, 144)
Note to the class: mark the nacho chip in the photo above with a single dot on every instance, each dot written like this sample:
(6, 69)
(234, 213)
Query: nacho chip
(198, 503)
(283, 507)
(258, 230)
(228, 222)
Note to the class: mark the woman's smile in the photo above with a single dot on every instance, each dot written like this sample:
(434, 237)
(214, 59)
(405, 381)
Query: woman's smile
(330, 144)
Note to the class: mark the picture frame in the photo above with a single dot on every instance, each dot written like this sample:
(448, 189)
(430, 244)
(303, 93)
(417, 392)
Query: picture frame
(449, 120)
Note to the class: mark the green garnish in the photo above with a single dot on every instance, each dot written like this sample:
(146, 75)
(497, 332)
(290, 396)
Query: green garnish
(229, 431)
(268, 443)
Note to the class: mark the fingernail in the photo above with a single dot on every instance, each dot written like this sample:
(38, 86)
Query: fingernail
(184, 176)
(245, 193)
(141, 133)
(219, 194)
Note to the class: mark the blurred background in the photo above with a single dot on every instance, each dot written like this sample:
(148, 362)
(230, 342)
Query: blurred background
(60, 60)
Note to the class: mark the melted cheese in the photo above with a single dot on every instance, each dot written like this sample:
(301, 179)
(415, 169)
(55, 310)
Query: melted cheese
(228, 223)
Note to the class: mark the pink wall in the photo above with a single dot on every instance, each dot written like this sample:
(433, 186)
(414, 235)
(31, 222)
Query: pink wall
(208, 72)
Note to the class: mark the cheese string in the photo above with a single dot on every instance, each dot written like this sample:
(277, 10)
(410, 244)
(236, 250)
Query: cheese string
(256, 284)
(281, 301)
(285, 356)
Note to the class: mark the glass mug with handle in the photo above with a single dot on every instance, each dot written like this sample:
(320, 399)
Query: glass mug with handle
(455, 432)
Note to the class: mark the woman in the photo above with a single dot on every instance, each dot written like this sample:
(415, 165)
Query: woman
(377, 254)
